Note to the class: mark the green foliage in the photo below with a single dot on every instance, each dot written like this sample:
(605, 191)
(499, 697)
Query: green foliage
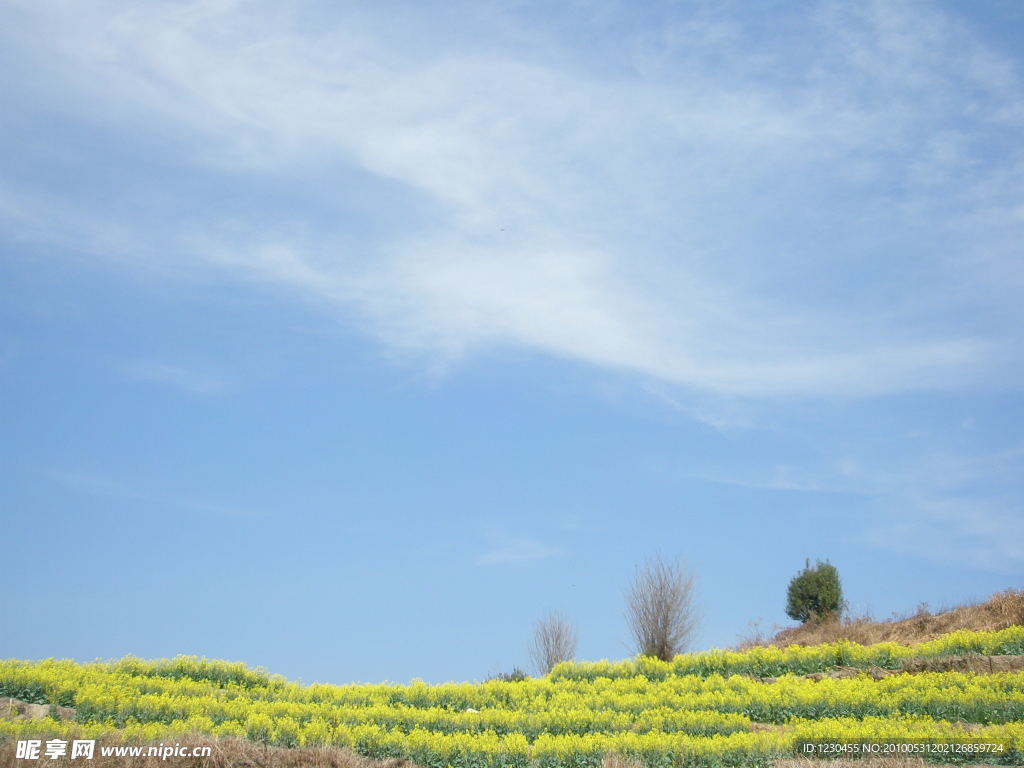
(515, 676)
(815, 593)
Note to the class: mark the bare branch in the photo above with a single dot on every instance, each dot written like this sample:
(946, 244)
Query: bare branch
(661, 610)
(554, 641)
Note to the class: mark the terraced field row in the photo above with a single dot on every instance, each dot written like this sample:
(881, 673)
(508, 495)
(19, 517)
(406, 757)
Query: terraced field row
(570, 719)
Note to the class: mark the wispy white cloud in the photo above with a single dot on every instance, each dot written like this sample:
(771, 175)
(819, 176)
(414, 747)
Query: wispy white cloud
(986, 534)
(721, 213)
(723, 414)
(185, 379)
(92, 484)
(505, 549)
(946, 506)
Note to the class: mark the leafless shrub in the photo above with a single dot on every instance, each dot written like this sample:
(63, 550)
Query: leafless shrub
(660, 609)
(753, 637)
(554, 641)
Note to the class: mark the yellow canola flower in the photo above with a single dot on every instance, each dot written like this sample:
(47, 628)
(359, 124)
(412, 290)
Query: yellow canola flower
(693, 710)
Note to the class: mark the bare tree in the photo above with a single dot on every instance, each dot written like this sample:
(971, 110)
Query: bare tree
(554, 640)
(661, 610)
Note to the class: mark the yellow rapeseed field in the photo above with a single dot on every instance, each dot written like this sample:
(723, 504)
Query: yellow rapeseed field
(714, 708)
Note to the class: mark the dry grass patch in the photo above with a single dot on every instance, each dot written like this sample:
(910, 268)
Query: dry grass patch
(226, 753)
(16, 709)
(867, 762)
(979, 665)
(1002, 610)
(619, 761)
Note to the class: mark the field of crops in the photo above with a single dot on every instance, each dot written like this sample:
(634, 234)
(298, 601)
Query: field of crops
(727, 708)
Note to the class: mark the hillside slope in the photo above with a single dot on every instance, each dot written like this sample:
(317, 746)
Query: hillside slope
(1002, 610)
(964, 702)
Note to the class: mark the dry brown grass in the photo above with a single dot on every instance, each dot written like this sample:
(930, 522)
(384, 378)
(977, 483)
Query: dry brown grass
(1002, 610)
(238, 753)
(16, 709)
(979, 665)
(619, 761)
(227, 753)
(867, 762)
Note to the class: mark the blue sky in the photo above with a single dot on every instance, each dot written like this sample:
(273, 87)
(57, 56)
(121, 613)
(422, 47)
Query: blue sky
(349, 339)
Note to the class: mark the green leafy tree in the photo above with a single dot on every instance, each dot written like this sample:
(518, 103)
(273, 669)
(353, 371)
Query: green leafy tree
(815, 593)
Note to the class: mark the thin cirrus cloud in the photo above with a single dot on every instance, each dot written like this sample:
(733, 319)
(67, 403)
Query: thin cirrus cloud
(987, 534)
(944, 506)
(137, 499)
(184, 379)
(833, 210)
(508, 550)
